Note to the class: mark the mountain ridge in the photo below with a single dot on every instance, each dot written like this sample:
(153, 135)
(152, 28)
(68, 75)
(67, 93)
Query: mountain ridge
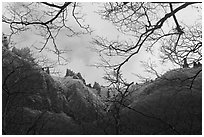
(35, 102)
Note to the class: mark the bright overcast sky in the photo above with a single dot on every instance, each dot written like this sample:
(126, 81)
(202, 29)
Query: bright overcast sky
(82, 57)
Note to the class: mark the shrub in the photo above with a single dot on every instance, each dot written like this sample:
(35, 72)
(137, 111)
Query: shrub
(24, 53)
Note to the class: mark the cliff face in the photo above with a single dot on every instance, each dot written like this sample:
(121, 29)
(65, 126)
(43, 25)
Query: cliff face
(36, 103)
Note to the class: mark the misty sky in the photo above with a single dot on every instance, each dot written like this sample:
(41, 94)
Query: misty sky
(81, 56)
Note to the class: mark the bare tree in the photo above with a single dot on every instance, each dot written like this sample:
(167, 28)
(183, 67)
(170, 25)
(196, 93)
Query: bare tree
(145, 22)
(120, 90)
(46, 19)
(121, 101)
(150, 68)
(189, 46)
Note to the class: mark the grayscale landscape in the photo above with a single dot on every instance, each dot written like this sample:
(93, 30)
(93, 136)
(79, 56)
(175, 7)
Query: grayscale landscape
(102, 68)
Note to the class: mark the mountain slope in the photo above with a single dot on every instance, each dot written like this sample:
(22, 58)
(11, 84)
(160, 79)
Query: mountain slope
(35, 103)
(171, 104)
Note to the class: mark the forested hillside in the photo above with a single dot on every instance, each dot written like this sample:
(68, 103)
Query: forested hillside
(35, 102)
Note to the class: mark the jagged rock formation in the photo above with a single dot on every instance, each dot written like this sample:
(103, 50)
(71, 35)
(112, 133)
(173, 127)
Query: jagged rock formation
(89, 85)
(70, 73)
(185, 64)
(97, 87)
